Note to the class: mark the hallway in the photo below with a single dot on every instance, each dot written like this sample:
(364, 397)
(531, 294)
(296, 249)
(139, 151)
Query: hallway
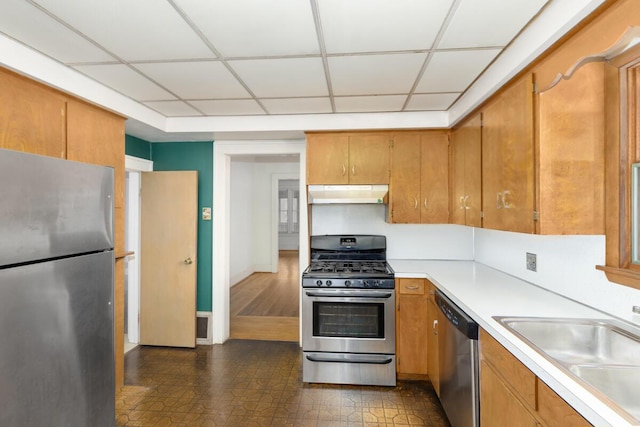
(265, 306)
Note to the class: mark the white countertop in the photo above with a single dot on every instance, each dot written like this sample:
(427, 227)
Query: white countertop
(483, 292)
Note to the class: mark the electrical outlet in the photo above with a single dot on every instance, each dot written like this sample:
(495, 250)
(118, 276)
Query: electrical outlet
(532, 262)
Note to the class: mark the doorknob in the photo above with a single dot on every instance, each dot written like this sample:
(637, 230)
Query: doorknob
(188, 261)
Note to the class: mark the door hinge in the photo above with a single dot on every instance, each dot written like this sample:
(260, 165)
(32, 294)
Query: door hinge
(482, 214)
(535, 87)
(391, 143)
(536, 215)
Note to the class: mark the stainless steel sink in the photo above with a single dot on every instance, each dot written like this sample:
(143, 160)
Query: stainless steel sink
(603, 355)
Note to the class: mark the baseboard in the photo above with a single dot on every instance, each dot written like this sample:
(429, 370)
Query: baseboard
(239, 277)
(204, 323)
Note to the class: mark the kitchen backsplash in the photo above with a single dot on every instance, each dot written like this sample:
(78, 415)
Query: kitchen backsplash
(565, 264)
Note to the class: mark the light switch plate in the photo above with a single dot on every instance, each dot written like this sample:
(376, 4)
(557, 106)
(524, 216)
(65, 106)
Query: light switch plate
(532, 262)
(206, 214)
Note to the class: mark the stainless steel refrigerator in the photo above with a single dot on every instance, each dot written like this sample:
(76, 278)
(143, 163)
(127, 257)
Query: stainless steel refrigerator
(56, 292)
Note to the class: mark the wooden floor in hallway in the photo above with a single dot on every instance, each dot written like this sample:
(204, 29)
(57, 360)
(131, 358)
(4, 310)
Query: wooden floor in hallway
(265, 306)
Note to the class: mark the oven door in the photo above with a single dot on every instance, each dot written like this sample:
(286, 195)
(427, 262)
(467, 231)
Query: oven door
(349, 321)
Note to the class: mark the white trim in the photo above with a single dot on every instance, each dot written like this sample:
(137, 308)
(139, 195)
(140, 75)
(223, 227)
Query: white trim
(132, 163)
(275, 182)
(222, 152)
(134, 166)
(207, 340)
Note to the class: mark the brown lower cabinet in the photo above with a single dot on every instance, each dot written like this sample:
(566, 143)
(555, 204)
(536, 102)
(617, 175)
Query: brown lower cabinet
(510, 394)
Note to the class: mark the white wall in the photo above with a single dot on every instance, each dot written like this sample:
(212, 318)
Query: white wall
(263, 219)
(404, 241)
(241, 262)
(566, 265)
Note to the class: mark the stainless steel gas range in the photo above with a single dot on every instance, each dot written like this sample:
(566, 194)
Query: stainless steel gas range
(348, 312)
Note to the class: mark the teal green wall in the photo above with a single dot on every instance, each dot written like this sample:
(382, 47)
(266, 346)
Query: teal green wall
(137, 147)
(175, 156)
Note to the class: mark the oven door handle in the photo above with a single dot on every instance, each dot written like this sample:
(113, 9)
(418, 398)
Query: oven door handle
(358, 294)
(352, 358)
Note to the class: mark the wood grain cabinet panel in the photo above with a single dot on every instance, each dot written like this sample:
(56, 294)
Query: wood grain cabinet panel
(411, 328)
(32, 117)
(348, 158)
(433, 320)
(507, 159)
(571, 154)
(499, 407)
(466, 173)
(419, 185)
(510, 394)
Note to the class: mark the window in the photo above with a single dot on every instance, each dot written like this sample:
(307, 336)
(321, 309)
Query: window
(289, 204)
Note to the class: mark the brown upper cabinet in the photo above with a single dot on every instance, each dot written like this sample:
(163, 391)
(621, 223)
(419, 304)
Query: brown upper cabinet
(466, 173)
(348, 158)
(507, 159)
(419, 187)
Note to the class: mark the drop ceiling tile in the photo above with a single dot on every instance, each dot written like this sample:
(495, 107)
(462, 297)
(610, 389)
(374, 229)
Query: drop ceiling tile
(173, 108)
(375, 74)
(367, 104)
(255, 27)
(488, 22)
(26, 23)
(381, 25)
(283, 78)
(228, 107)
(297, 105)
(195, 80)
(431, 101)
(453, 71)
(126, 81)
(132, 30)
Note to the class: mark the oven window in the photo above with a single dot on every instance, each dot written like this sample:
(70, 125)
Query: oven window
(348, 319)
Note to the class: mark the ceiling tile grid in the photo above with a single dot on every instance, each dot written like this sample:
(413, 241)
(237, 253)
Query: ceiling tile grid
(254, 57)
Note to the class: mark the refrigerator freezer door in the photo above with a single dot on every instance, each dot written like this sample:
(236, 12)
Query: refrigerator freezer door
(56, 330)
(52, 207)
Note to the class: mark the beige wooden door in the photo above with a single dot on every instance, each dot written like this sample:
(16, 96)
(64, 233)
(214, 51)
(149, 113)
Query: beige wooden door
(168, 258)
(473, 172)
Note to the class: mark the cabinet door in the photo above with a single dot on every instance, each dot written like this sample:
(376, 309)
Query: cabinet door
(466, 174)
(498, 406)
(404, 194)
(555, 411)
(327, 159)
(32, 118)
(432, 342)
(434, 200)
(577, 162)
(507, 160)
(369, 158)
(411, 327)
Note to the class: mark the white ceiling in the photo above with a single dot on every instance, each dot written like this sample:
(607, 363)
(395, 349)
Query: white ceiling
(253, 58)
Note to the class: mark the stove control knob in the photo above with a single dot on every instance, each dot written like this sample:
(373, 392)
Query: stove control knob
(366, 283)
(347, 283)
(319, 282)
(376, 283)
(328, 283)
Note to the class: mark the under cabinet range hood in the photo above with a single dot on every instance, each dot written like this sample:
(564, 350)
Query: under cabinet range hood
(345, 194)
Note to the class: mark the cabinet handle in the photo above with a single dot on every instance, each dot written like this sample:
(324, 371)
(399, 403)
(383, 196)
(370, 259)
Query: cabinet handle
(412, 287)
(432, 292)
(435, 327)
(461, 202)
(425, 203)
(499, 200)
(506, 199)
(344, 169)
(466, 206)
(415, 203)
(353, 170)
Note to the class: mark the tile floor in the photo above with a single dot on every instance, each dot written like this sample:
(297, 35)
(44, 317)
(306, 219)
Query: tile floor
(257, 383)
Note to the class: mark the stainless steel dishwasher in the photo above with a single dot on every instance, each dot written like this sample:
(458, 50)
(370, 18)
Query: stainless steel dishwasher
(458, 363)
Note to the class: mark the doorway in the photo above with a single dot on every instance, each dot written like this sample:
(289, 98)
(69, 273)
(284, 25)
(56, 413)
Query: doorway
(134, 166)
(264, 257)
(224, 249)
